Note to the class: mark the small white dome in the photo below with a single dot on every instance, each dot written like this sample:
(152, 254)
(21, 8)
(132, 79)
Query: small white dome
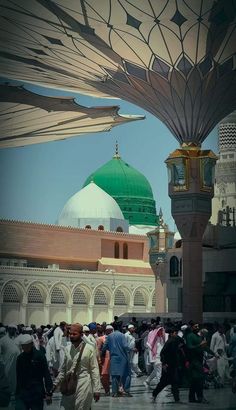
(177, 236)
(90, 203)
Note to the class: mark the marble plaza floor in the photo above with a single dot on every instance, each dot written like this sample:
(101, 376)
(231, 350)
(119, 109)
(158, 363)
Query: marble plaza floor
(219, 399)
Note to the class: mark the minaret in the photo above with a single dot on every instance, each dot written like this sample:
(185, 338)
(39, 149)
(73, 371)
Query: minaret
(224, 201)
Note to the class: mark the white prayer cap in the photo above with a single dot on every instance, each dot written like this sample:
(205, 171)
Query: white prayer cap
(2, 330)
(25, 339)
(13, 326)
(130, 326)
(109, 327)
(45, 329)
(86, 329)
(184, 327)
(28, 329)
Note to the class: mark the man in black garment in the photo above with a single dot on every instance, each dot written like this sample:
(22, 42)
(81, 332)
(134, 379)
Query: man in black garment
(195, 347)
(34, 382)
(172, 359)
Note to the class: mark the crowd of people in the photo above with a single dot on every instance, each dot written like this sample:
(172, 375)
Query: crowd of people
(81, 360)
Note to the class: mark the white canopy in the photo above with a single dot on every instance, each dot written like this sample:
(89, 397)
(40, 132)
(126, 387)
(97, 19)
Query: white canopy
(174, 58)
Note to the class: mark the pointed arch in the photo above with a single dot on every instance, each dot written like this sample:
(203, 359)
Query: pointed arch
(60, 294)
(13, 292)
(116, 250)
(125, 250)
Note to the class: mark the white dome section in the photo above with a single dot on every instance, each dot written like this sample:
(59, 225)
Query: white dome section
(177, 236)
(91, 206)
(141, 229)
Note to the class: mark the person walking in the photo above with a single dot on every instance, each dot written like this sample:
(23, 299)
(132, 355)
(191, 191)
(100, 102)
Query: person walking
(171, 358)
(120, 370)
(155, 342)
(134, 353)
(105, 360)
(195, 348)
(33, 380)
(88, 384)
(9, 352)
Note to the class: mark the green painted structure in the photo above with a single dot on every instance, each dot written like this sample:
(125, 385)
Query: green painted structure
(129, 188)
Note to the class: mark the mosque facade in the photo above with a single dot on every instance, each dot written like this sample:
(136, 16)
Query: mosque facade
(91, 265)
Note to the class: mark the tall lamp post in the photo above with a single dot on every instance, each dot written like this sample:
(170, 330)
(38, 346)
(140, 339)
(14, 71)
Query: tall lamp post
(191, 188)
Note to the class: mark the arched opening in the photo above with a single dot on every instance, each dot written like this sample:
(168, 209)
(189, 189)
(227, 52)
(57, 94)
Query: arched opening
(57, 296)
(79, 297)
(34, 295)
(174, 267)
(100, 297)
(11, 294)
(119, 229)
(139, 299)
(88, 227)
(117, 250)
(120, 298)
(180, 267)
(101, 228)
(125, 251)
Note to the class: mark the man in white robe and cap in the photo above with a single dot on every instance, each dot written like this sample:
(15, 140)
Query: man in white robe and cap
(55, 349)
(9, 352)
(88, 386)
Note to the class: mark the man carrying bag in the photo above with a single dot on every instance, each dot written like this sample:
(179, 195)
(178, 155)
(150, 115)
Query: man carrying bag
(79, 378)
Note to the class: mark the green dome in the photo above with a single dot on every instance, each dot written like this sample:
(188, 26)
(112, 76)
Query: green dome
(129, 188)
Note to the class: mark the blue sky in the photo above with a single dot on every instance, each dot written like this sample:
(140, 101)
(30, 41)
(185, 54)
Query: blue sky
(36, 181)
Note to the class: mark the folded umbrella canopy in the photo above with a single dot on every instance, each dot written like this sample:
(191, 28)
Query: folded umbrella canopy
(28, 118)
(174, 58)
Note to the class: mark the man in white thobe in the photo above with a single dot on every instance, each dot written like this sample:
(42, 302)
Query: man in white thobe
(218, 340)
(88, 386)
(9, 352)
(55, 350)
(134, 354)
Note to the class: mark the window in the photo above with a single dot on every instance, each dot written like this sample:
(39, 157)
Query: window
(119, 229)
(57, 296)
(125, 251)
(100, 298)
(139, 299)
(117, 250)
(174, 267)
(88, 227)
(101, 228)
(79, 297)
(120, 298)
(180, 267)
(34, 295)
(154, 299)
(10, 294)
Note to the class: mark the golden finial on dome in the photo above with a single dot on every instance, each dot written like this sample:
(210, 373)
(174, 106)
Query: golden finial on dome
(117, 155)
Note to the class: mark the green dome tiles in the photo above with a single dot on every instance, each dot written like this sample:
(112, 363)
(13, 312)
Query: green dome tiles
(129, 188)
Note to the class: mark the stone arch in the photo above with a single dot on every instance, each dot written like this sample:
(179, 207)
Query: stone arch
(104, 289)
(13, 292)
(60, 292)
(77, 294)
(140, 296)
(42, 288)
(125, 291)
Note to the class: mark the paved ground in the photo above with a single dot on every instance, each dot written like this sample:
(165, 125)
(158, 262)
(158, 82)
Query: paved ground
(219, 399)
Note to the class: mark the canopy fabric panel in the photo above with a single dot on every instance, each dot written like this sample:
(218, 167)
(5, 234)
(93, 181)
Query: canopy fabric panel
(175, 59)
(28, 118)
